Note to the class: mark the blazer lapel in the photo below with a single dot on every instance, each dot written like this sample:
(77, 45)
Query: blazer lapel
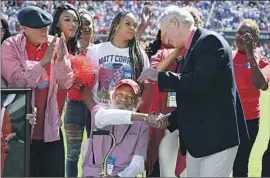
(194, 40)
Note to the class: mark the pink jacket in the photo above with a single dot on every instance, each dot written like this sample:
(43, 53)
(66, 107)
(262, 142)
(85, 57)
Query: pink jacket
(22, 73)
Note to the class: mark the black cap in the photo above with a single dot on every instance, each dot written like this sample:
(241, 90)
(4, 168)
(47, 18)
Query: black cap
(34, 17)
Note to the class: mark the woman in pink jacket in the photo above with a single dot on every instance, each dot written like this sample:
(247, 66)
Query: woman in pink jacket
(31, 59)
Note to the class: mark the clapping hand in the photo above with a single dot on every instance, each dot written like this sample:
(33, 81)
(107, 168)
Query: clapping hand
(62, 48)
(147, 14)
(249, 44)
(50, 52)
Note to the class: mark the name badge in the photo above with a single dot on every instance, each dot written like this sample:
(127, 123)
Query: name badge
(43, 85)
(110, 164)
(171, 99)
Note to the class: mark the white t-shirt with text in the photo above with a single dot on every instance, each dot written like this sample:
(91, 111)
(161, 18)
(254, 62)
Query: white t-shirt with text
(113, 65)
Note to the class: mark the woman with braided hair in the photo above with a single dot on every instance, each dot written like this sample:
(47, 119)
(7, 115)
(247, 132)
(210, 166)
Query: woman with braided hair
(121, 57)
(78, 29)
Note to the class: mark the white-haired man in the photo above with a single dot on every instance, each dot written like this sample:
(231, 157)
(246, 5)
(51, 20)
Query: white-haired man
(208, 114)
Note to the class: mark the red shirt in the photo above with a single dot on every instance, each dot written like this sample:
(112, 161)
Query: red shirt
(158, 104)
(73, 93)
(36, 54)
(248, 93)
(159, 99)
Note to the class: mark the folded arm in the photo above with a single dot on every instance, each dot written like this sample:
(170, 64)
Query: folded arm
(205, 73)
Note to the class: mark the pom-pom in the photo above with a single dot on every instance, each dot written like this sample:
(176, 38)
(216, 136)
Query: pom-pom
(84, 72)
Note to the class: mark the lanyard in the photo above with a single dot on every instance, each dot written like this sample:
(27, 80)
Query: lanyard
(124, 134)
(93, 155)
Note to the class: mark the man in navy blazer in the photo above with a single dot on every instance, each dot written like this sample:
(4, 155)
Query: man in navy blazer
(209, 114)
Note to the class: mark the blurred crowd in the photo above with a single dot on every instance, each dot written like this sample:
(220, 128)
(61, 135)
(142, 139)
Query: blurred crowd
(224, 15)
(218, 15)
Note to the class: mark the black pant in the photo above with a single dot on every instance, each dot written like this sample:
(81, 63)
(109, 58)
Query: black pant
(156, 170)
(47, 159)
(240, 167)
(266, 162)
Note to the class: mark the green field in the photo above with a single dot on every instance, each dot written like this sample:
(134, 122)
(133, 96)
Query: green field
(263, 137)
(261, 141)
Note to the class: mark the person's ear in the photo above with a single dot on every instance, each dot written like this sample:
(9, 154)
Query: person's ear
(23, 28)
(112, 95)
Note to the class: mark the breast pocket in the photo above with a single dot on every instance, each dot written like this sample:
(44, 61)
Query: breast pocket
(127, 138)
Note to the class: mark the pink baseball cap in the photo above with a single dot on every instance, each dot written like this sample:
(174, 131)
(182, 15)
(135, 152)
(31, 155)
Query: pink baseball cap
(129, 82)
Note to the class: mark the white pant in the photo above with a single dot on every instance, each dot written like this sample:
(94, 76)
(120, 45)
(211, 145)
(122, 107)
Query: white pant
(168, 151)
(216, 165)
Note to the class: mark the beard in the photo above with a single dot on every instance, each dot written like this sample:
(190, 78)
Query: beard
(123, 106)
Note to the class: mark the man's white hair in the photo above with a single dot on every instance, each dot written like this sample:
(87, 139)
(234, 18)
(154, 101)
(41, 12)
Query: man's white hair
(181, 14)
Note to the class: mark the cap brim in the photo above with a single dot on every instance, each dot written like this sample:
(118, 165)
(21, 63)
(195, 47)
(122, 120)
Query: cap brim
(37, 27)
(135, 90)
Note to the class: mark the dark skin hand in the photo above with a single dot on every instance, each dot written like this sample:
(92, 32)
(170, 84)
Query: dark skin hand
(257, 77)
(87, 97)
(246, 41)
(146, 16)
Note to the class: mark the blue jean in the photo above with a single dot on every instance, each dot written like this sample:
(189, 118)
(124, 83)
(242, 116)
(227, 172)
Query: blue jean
(77, 117)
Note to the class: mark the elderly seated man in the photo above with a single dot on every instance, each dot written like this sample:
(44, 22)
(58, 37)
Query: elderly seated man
(131, 133)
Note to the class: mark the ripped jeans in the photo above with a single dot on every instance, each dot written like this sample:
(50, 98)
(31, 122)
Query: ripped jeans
(77, 117)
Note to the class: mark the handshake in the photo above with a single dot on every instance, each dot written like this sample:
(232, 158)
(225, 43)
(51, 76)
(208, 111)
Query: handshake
(159, 121)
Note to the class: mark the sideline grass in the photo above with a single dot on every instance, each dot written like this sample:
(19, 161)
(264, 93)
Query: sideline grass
(262, 138)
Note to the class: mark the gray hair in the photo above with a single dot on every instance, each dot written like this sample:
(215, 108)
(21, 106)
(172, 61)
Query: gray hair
(181, 14)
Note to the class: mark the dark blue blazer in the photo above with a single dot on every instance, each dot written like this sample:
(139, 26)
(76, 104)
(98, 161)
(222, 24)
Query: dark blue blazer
(209, 114)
